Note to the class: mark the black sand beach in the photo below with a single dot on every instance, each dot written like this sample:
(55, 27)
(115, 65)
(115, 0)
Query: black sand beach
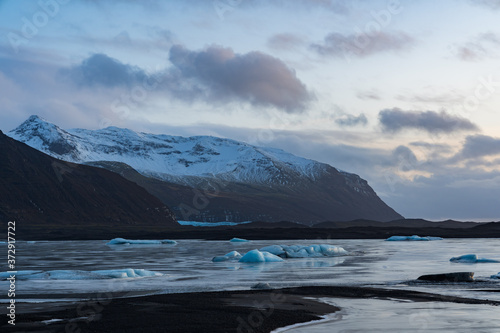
(225, 311)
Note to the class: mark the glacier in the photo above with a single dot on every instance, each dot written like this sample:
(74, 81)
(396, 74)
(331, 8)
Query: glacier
(472, 259)
(256, 256)
(211, 224)
(80, 274)
(412, 238)
(123, 241)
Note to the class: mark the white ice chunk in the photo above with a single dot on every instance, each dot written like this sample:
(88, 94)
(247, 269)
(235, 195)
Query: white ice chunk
(412, 238)
(122, 241)
(81, 275)
(259, 256)
(471, 259)
(238, 240)
(233, 255)
(301, 251)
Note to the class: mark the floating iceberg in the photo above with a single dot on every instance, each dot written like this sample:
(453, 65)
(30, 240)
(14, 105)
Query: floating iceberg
(496, 276)
(259, 256)
(233, 255)
(412, 238)
(238, 240)
(122, 241)
(471, 259)
(301, 251)
(81, 275)
(211, 224)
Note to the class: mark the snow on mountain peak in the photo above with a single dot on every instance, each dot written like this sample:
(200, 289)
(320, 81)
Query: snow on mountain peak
(173, 158)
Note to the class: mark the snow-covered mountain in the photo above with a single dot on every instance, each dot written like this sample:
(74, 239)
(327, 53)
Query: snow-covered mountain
(258, 183)
(172, 158)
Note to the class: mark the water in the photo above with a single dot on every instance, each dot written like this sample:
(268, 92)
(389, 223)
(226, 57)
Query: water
(187, 267)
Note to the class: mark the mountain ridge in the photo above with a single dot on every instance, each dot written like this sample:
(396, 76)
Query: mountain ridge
(240, 181)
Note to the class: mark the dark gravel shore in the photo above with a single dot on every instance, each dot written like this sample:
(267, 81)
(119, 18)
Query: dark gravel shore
(225, 311)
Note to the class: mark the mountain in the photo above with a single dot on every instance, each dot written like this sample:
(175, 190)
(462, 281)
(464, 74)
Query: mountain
(205, 178)
(39, 190)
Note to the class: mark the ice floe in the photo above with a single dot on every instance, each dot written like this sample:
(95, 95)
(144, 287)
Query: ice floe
(471, 259)
(496, 276)
(308, 251)
(412, 238)
(123, 241)
(259, 256)
(236, 240)
(80, 275)
(233, 255)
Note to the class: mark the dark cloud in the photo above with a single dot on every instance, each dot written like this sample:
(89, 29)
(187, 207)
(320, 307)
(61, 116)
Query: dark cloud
(362, 45)
(479, 146)
(285, 41)
(99, 69)
(253, 77)
(349, 120)
(482, 46)
(215, 75)
(395, 120)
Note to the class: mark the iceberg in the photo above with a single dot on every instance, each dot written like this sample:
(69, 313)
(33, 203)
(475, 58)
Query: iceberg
(496, 276)
(412, 238)
(234, 240)
(123, 241)
(471, 259)
(259, 256)
(301, 251)
(81, 275)
(233, 255)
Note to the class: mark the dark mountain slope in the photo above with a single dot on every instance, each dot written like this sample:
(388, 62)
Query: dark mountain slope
(36, 189)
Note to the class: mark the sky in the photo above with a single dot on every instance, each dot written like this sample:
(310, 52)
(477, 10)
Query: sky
(404, 93)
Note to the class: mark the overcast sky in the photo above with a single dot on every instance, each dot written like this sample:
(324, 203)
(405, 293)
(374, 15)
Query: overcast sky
(404, 93)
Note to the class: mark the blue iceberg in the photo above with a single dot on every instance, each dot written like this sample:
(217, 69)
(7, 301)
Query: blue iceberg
(471, 259)
(233, 255)
(412, 238)
(259, 256)
(307, 251)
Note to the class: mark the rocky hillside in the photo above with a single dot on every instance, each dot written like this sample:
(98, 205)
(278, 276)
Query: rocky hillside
(36, 189)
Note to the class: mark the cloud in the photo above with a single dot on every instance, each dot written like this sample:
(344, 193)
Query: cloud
(395, 120)
(362, 45)
(214, 75)
(368, 95)
(285, 41)
(476, 146)
(481, 46)
(491, 4)
(349, 120)
(100, 69)
(254, 77)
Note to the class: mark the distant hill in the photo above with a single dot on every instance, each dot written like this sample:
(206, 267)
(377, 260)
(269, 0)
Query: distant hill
(211, 179)
(39, 190)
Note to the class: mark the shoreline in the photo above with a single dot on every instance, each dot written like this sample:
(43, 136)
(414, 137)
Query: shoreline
(259, 231)
(222, 311)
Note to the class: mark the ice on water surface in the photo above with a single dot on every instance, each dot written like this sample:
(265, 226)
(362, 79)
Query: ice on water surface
(80, 274)
(472, 259)
(123, 241)
(238, 240)
(412, 238)
(233, 255)
(259, 256)
(308, 251)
